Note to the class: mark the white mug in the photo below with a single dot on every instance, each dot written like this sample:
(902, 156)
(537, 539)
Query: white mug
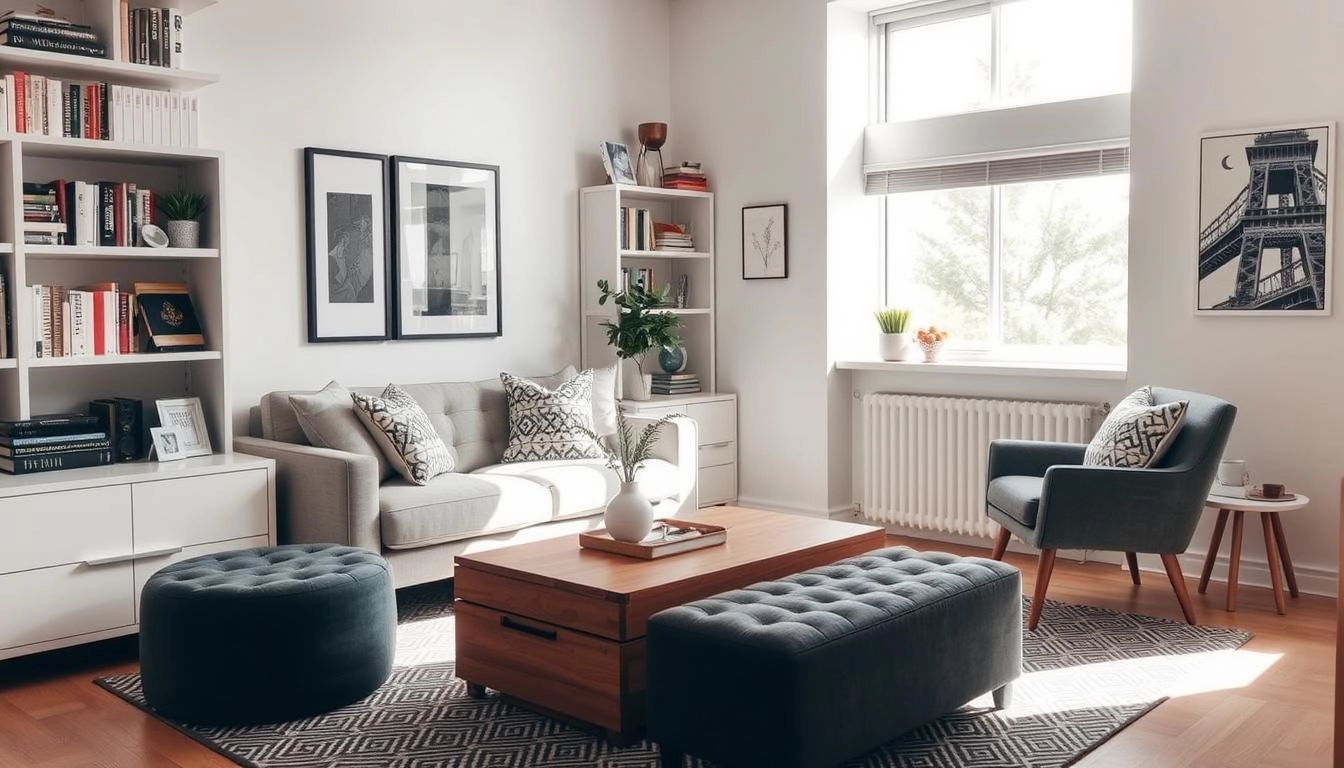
(1233, 472)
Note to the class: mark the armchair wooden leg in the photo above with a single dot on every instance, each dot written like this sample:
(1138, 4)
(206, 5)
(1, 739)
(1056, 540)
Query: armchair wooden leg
(1001, 544)
(1044, 566)
(1133, 559)
(1173, 567)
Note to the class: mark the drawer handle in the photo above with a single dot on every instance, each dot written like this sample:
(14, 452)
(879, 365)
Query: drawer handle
(132, 556)
(517, 626)
(723, 444)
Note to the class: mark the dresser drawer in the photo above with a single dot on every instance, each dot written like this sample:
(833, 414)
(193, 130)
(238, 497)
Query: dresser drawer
(45, 529)
(718, 484)
(64, 601)
(197, 510)
(717, 421)
(148, 566)
(716, 454)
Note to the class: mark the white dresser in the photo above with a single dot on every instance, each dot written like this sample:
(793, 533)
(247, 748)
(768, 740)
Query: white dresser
(715, 416)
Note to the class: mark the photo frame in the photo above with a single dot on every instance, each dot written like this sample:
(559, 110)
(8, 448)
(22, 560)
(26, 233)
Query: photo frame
(765, 241)
(168, 442)
(1277, 180)
(349, 245)
(185, 416)
(446, 274)
(616, 161)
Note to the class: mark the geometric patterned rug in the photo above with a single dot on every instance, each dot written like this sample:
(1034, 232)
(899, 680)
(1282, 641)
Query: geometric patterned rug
(1088, 672)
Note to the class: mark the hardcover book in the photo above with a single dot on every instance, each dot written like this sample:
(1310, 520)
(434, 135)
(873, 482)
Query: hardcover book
(169, 321)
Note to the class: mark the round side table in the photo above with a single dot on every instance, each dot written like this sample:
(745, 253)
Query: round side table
(1276, 546)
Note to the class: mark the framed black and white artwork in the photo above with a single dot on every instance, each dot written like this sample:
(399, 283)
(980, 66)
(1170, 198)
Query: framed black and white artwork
(616, 162)
(349, 245)
(765, 245)
(1265, 221)
(447, 267)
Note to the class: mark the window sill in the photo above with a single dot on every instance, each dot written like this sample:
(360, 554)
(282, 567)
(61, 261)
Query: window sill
(993, 368)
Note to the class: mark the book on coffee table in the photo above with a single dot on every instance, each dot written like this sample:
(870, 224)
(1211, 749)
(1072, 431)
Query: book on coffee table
(668, 537)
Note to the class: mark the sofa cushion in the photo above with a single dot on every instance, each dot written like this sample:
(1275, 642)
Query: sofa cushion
(404, 433)
(550, 423)
(328, 420)
(582, 487)
(456, 506)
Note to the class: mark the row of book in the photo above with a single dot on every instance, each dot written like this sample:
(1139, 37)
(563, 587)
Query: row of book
(46, 32)
(47, 106)
(59, 441)
(675, 383)
(688, 176)
(151, 36)
(86, 213)
(104, 319)
(637, 229)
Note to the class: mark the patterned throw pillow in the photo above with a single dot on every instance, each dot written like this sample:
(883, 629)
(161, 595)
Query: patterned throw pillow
(403, 432)
(550, 423)
(1136, 432)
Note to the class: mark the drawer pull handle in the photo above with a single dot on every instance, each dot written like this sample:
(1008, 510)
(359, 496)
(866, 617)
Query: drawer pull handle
(132, 556)
(517, 626)
(723, 444)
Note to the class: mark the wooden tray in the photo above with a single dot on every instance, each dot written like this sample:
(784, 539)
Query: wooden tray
(696, 536)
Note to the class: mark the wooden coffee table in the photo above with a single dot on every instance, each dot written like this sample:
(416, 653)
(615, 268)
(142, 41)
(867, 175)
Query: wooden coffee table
(560, 629)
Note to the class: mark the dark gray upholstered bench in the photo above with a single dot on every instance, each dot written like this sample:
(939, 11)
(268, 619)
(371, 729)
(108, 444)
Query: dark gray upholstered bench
(267, 634)
(824, 665)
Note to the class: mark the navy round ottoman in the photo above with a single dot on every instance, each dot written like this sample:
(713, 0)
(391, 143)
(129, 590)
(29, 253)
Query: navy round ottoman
(267, 634)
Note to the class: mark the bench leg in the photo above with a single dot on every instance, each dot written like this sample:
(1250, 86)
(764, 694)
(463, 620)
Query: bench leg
(669, 758)
(1003, 696)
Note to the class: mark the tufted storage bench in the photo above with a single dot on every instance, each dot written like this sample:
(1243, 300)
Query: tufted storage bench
(267, 634)
(818, 667)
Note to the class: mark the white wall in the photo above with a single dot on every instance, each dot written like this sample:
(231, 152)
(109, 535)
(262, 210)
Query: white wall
(529, 85)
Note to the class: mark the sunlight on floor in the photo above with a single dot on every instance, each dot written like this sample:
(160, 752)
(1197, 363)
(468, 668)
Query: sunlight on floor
(428, 641)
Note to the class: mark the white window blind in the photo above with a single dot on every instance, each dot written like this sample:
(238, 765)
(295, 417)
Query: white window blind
(920, 12)
(1062, 165)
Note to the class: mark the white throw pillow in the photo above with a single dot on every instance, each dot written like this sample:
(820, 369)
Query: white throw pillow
(1136, 432)
(404, 433)
(550, 423)
(604, 399)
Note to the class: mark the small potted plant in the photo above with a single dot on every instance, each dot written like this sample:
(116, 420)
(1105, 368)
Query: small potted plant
(640, 327)
(629, 514)
(182, 211)
(931, 341)
(895, 338)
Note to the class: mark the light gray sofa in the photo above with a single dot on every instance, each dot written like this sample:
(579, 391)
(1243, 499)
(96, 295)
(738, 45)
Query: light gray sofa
(343, 497)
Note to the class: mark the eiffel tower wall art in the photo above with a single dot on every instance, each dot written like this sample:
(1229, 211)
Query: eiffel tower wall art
(1265, 220)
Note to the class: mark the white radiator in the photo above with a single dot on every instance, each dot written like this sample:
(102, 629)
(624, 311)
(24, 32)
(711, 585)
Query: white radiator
(924, 458)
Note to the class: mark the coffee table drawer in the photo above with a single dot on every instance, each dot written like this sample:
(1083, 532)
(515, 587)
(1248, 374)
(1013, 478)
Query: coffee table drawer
(570, 673)
(587, 613)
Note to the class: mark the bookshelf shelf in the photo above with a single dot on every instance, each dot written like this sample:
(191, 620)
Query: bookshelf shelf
(6, 247)
(108, 252)
(144, 358)
(89, 68)
(8, 362)
(666, 254)
(59, 148)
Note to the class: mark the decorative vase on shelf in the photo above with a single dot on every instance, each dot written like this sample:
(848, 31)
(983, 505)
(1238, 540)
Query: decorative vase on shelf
(672, 359)
(635, 385)
(184, 233)
(931, 350)
(894, 346)
(629, 515)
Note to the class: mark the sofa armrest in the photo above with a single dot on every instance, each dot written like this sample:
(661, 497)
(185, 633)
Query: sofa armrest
(678, 444)
(322, 495)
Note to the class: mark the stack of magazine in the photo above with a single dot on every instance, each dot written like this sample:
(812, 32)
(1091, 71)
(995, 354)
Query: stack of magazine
(56, 441)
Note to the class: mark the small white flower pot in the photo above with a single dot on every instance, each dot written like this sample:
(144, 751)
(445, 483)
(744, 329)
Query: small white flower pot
(895, 346)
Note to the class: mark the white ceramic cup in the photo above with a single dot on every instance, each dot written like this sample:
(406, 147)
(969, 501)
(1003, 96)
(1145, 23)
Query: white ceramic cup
(1233, 472)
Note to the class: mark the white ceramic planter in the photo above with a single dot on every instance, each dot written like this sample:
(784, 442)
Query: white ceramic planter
(629, 515)
(895, 346)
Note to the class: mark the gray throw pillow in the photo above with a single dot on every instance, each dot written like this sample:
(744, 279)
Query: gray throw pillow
(404, 434)
(1136, 432)
(327, 418)
(550, 423)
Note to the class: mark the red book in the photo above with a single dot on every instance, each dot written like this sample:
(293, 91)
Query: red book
(90, 111)
(20, 96)
(99, 324)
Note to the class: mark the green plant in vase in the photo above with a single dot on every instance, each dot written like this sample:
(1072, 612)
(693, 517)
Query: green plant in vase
(895, 338)
(182, 211)
(642, 325)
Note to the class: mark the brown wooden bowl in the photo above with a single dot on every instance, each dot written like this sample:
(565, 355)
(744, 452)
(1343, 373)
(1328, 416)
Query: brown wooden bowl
(652, 135)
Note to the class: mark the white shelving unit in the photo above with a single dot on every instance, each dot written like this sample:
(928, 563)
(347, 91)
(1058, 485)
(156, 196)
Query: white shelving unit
(76, 544)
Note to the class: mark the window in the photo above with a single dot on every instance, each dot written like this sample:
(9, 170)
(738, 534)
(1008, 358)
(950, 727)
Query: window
(1002, 155)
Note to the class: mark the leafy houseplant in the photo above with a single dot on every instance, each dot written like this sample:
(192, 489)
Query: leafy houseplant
(895, 339)
(629, 515)
(182, 209)
(640, 325)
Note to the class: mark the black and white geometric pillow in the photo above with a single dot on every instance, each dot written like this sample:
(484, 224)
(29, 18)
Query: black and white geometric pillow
(404, 434)
(549, 423)
(1136, 432)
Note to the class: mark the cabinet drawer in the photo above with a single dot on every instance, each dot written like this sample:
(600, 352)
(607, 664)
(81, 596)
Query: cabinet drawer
(718, 484)
(45, 529)
(146, 567)
(64, 601)
(717, 421)
(716, 454)
(654, 413)
(196, 510)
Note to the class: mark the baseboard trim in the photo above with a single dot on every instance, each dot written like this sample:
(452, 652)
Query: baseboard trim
(774, 506)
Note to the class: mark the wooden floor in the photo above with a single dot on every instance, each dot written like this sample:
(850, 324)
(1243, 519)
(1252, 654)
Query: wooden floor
(51, 715)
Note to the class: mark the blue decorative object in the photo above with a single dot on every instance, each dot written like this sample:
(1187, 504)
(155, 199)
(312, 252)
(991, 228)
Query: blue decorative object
(672, 360)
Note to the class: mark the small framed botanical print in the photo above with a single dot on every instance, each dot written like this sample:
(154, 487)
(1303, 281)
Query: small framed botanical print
(765, 246)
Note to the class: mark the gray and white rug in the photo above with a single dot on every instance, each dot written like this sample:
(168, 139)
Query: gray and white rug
(1088, 673)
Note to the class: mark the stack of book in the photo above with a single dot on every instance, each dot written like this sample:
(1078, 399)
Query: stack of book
(671, 237)
(86, 213)
(675, 383)
(42, 221)
(686, 176)
(59, 441)
(41, 32)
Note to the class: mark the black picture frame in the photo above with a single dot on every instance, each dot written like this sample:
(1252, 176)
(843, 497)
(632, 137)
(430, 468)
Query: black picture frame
(765, 249)
(346, 201)
(446, 275)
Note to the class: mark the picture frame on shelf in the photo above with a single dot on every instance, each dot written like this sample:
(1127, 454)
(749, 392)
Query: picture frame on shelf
(185, 416)
(446, 241)
(168, 442)
(349, 245)
(616, 162)
(765, 245)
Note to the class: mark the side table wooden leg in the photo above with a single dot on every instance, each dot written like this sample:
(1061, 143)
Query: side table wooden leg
(1272, 556)
(1234, 561)
(1284, 557)
(1214, 543)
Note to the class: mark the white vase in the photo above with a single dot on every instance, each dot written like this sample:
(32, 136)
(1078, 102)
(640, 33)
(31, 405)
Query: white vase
(894, 346)
(635, 385)
(629, 515)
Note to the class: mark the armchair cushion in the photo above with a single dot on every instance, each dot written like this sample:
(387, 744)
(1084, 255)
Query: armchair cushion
(550, 423)
(1017, 496)
(1136, 432)
(404, 433)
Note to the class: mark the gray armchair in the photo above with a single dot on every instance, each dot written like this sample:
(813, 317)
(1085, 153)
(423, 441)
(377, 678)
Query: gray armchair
(1041, 493)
